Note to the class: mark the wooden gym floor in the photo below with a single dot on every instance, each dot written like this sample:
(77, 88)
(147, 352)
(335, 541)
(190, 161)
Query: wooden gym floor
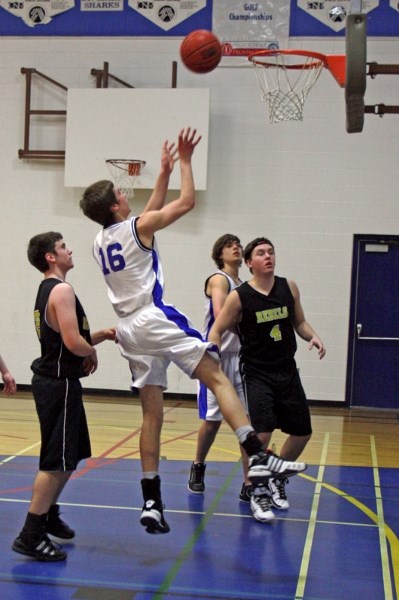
(338, 540)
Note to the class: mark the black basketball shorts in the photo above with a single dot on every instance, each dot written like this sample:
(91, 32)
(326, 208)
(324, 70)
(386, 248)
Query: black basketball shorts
(63, 424)
(277, 401)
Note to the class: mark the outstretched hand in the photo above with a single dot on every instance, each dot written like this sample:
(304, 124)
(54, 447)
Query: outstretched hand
(168, 157)
(188, 140)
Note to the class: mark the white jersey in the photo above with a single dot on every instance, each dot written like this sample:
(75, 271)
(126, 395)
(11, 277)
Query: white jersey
(230, 341)
(207, 404)
(150, 334)
(132, 271)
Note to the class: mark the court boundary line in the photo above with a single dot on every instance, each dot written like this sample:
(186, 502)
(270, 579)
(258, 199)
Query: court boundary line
(386, 575)
(307, 549)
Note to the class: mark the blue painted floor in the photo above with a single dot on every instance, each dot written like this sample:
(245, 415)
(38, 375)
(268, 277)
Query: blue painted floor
(338, 540)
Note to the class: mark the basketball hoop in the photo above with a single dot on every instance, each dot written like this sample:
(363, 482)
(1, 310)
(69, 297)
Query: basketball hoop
(285, 78)
(124, 172)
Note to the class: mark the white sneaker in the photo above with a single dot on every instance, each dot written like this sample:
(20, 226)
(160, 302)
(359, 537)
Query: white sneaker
(278, 495)
(264, 465)
(261, 504)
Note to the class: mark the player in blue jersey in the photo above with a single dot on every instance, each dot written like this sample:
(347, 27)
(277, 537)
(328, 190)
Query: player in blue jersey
(150, 333)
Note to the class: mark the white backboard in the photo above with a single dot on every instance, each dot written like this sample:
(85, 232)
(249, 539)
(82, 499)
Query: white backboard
(132, 124)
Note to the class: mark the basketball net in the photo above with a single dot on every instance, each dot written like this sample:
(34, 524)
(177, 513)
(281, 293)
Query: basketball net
(124, 173)
(285, 82)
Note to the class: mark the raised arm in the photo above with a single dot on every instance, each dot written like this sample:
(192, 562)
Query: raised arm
(10, 387)
(154, 220)
(302, 327)
(168, 159)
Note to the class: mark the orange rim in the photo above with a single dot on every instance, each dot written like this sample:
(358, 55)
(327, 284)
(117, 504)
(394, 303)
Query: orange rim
(318, 58)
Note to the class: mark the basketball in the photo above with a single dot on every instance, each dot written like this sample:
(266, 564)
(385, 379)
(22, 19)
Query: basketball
(201, 51)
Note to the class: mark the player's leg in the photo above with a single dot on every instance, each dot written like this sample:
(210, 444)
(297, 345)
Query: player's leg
(152, 517)
(231, 368)
(206, 436)
(33, 540)
(294, 419)
(65, 441)
(149, 377)
(294, 445)
(151, 398)
(168, 334)
(262, 465)
(211, 419)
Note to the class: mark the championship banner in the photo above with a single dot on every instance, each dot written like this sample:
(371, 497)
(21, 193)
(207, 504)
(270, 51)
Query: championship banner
(104, 17)
(244, 27)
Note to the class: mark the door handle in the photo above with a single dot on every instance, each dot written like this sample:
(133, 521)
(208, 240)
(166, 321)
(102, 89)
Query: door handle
(360, 337)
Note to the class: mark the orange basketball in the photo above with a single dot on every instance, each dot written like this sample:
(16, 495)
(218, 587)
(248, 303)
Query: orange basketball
(201, 51)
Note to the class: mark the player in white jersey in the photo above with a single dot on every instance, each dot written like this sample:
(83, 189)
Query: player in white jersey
(152, 334)
(227, 254)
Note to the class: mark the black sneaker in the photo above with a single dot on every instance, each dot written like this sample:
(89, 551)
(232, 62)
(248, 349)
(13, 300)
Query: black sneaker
(246, 492)
(152, 518)
(56, 526)
(265, 465)
(42, 549)
(196, 482)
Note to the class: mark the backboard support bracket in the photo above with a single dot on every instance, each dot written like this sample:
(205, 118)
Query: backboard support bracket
(103, 76)
(374, 69)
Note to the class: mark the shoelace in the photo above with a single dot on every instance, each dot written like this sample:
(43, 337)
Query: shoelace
(280, 485)
(263, 501)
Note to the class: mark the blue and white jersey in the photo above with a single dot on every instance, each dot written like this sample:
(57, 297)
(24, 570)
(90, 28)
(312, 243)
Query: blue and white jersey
(133, 272)
(230, 341)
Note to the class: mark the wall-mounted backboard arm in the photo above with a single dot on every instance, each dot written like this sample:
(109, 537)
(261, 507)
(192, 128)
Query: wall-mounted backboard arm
(26, 151)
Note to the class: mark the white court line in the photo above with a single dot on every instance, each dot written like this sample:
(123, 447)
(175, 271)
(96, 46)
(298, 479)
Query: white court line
(386, 573)
(6, 460)
(303, 571)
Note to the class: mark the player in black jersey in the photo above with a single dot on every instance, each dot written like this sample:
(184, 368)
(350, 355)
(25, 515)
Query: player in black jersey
(67, 353)
(267, 313)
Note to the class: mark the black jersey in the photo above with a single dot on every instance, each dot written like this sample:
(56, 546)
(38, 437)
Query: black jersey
(266, 330)
(56, 360)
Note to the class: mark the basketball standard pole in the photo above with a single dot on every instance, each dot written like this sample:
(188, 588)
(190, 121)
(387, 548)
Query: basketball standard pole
(355, 6)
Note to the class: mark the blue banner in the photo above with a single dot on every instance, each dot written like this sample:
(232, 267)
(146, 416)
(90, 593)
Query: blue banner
(103, 17)
(327, 18)
(147, 18)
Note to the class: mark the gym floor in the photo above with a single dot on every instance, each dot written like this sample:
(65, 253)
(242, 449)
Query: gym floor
(337, 541)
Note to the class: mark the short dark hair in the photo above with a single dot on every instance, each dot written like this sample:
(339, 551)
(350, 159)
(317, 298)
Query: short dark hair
(220, 244)
(97, 201)
(39, 246)
(249, 248)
